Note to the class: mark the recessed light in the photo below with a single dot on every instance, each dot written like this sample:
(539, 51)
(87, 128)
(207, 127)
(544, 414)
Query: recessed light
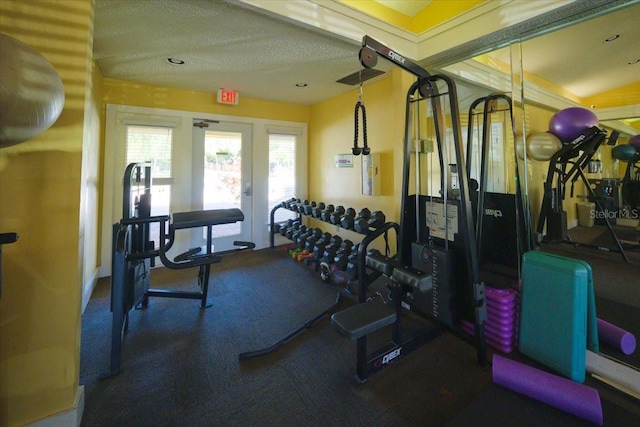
(633, 62)
(612, 38)
(301, 85)
(175, 61)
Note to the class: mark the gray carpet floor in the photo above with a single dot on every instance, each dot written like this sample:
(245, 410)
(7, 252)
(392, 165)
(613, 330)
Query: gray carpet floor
(181, 366)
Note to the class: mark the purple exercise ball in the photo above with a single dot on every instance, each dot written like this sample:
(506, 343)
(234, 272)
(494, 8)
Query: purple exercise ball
(634, 141)
(570, 123)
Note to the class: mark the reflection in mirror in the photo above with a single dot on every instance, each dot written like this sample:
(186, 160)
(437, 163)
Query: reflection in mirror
(596, 214)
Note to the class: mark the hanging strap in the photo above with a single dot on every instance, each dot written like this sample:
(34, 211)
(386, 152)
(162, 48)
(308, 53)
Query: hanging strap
(360, 107)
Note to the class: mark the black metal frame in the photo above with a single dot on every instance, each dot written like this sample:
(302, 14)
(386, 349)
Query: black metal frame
(524, 227)
(551, 211)
(5, 239)
(425, 88)
(133, 254)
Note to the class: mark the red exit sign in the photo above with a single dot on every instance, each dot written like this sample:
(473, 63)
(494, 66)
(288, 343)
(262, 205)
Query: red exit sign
(228, 97)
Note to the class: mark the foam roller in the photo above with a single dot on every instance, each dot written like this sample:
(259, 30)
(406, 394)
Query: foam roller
(616, 337)
(569, 396)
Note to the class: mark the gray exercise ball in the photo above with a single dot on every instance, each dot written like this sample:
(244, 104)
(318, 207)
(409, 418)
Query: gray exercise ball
(31, 92)
(543, 145)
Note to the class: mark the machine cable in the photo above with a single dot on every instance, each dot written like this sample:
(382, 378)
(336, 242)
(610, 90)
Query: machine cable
(356, 150)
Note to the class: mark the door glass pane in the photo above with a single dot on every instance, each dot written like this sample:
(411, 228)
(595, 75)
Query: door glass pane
(282, 173)
(222, 176)
(153, 144)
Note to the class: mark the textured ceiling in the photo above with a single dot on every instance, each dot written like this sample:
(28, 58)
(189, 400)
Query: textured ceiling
(578, 59)
(225, 44)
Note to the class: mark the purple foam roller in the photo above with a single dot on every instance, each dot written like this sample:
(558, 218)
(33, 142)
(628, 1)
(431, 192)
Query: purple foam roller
(569, 396)
(616, 337)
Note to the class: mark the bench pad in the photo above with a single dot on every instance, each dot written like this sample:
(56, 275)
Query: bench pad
(362, 319)
(206, 218)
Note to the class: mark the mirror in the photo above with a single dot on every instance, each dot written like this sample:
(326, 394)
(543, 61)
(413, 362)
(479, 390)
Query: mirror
(586, 64)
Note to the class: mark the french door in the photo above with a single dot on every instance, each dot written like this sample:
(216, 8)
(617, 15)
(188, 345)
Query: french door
(221, 178)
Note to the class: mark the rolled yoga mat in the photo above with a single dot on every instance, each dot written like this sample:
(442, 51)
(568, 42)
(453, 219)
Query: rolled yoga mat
(616, 337)
(567, 395)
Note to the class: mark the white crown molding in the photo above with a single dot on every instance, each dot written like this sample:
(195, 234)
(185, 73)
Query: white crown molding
(352, 24)
(621, 112)
(490, 17)
(340, 20)
(489, 77)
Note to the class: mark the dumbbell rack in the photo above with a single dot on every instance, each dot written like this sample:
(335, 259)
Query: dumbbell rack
(294, 205)
(364, 280)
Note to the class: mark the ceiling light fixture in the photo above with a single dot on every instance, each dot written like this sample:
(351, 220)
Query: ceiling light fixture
(612, 38)
(175, 61)
(633, 62)
(301, 85)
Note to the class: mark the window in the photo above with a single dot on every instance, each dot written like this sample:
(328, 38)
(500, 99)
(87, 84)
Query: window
(282, 172)
(153, 144)
(222, 187)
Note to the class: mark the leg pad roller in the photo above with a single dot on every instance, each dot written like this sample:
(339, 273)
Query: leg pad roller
(423, 282)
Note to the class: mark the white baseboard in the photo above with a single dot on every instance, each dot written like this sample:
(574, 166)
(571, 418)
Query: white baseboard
(87, 290)
(70, 417)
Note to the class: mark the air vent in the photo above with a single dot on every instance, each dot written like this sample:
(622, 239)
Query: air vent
(365, 74)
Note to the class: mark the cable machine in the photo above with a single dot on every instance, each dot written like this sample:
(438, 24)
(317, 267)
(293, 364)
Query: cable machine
(434, 274)
(503, 220)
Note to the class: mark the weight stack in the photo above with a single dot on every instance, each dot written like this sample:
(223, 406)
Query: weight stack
(440, 300)
(501, 326)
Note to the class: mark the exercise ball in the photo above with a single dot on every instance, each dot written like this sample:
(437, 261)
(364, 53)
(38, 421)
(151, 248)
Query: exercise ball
(543, 145)
(31, 92)
(570, 123)
(519, 144)
(624, 152)
(634, 141)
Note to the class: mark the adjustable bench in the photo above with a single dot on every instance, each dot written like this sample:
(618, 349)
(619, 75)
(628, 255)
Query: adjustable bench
(365, 318)
(201, 257)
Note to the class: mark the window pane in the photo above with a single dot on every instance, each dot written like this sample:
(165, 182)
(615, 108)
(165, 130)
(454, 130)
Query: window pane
(153, 144)
(282, 172)
(223, 176)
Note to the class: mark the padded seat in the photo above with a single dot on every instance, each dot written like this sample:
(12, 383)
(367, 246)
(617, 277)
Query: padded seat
(205, 218)
(362, 319)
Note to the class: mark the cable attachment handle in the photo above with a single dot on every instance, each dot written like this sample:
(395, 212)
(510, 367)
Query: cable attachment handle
(365, 150)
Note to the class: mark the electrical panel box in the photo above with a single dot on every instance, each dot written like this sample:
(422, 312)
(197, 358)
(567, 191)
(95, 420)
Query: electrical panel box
(371, 174)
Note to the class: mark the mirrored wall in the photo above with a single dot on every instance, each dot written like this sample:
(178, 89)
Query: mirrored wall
(590, 214)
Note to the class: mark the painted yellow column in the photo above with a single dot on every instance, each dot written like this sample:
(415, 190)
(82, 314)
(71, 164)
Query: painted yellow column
(40, 198)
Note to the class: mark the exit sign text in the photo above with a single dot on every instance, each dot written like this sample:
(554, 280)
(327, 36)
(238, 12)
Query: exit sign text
(228, 97)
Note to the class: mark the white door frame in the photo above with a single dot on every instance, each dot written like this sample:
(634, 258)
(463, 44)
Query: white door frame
(182, 162)
(246, 130)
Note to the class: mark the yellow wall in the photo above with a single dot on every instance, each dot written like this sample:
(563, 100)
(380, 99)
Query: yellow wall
(41, 186)
(52, 184)
(435, 13)
(135, 94)
(625, 95)
(331, 132)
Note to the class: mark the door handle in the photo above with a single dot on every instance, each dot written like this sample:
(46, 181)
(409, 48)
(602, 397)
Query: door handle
(247, 189)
